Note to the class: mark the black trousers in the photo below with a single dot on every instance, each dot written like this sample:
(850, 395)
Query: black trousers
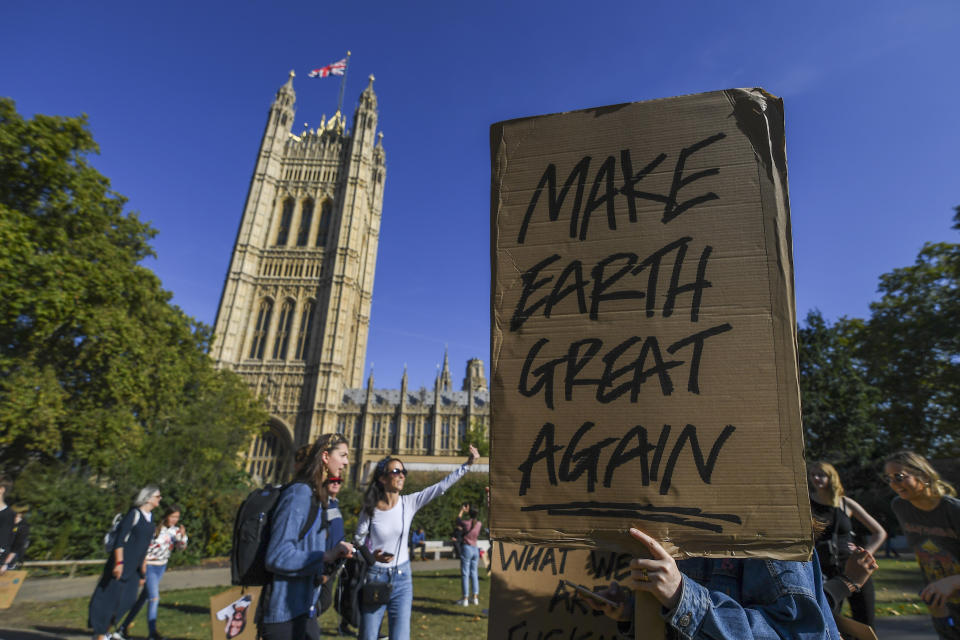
(300, 628)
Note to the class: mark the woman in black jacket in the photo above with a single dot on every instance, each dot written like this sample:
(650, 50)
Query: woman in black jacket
(125, 569)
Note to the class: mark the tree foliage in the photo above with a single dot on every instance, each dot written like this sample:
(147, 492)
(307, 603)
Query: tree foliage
(478, 436)
(912, 351)
(892, 381)
(838, 403)
(105, 386)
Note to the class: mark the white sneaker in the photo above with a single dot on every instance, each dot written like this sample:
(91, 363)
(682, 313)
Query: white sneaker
(463, 602)
(475, 600)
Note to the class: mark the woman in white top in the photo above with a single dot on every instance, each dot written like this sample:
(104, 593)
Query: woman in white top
(384, 527)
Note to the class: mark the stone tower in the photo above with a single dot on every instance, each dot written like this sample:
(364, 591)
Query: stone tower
(295, 309)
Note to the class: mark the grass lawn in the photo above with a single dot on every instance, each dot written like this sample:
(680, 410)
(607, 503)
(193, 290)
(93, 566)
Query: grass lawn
(186, 614)
(898, 584)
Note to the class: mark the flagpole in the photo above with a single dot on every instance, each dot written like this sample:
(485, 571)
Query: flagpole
(343, 83)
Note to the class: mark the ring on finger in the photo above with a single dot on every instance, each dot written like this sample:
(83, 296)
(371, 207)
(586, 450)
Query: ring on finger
(644, 577)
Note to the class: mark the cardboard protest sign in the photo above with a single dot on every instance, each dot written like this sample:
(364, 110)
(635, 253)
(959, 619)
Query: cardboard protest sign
(528, 597)
(644, 333)
(232, 612)
(10, 584)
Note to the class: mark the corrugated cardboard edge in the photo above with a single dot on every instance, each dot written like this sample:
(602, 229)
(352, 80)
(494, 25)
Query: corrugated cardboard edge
(750, 108)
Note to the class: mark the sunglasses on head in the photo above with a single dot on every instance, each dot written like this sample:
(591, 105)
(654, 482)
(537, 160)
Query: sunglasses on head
(334, 480)
(897, 477)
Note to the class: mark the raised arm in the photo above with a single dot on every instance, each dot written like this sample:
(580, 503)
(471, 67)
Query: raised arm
(426, 495)
(877, 533)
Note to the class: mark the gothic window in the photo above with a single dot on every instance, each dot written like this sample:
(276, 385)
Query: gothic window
(357, 431)
(461, 431)
(284, 325)
(326, 211)
(260, 329)
(303, 336)
(445, 433)
(306, 217)
(392, 442)
(411, 433)
(266, 458)
(428, 433)
(377, 432)
(284, 231)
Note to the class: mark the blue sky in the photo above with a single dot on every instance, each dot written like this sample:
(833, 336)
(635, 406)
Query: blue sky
(177, 94)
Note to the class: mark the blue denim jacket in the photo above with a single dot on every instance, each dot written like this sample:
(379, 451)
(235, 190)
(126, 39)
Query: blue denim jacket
(294, 563)
(754, 598)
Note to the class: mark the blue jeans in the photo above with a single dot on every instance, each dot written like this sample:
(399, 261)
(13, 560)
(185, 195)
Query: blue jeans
(151, 591)
(397, 608)
(469, 556)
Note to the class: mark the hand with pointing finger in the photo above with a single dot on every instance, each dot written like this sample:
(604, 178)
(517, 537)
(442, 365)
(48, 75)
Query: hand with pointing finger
(658, 574)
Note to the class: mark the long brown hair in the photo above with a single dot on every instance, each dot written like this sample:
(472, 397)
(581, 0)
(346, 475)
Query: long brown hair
(375, 491)
(936, 486)
(314, 472)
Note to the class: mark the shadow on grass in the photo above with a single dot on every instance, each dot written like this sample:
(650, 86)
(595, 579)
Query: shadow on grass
(44, 631)
(185, 608)
(443, 612)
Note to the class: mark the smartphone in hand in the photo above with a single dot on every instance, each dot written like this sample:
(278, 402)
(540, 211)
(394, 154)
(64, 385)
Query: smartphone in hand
(587, 593)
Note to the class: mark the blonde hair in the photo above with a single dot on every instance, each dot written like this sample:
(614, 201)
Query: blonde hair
(835, 487)
(923, 470)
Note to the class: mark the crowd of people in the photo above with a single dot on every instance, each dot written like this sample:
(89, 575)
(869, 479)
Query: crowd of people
(701, 597)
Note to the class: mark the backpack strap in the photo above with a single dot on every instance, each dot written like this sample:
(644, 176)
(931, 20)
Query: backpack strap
(315, 509)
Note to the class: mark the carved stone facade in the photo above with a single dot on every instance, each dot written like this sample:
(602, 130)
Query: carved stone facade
(295, 310)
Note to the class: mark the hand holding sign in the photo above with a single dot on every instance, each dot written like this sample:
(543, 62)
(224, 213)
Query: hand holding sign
(659, 574)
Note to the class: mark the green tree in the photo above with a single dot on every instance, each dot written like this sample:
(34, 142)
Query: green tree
(477, 436)
(912, 349)
(838, 403)
(104, 384)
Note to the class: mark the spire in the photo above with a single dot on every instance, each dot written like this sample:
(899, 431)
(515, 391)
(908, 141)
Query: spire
(285, 94)
(368, 96)
(446, 382)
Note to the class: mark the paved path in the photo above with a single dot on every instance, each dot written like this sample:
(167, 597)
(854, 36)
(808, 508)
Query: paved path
(51, 589)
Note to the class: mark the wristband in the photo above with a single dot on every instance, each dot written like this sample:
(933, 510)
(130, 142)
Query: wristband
(118, 562)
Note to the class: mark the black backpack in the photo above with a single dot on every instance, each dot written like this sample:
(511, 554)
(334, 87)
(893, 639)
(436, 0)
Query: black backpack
(251, 535)
(346, 599)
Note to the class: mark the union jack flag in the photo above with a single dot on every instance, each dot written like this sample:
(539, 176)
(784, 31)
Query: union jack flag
(337, 68)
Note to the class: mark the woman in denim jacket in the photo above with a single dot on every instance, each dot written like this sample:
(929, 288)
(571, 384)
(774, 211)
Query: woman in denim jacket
(297, 563)
(727, 598)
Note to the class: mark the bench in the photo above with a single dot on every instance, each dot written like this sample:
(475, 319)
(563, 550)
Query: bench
(438, 548)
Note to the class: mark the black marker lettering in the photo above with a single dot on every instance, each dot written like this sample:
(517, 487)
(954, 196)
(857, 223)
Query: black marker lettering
(545, 439)
(705, 469)
(549, 179)
(674, 209)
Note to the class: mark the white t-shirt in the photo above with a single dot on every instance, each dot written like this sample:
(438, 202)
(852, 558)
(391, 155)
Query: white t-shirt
(389, 530)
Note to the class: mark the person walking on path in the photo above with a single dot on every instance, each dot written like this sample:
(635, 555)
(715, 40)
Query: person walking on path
(125, 568)
(13, 531)
(297, 554)
(469, 556)
(929, 515)
(835, 543)
(384, 527)
(170, 534)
